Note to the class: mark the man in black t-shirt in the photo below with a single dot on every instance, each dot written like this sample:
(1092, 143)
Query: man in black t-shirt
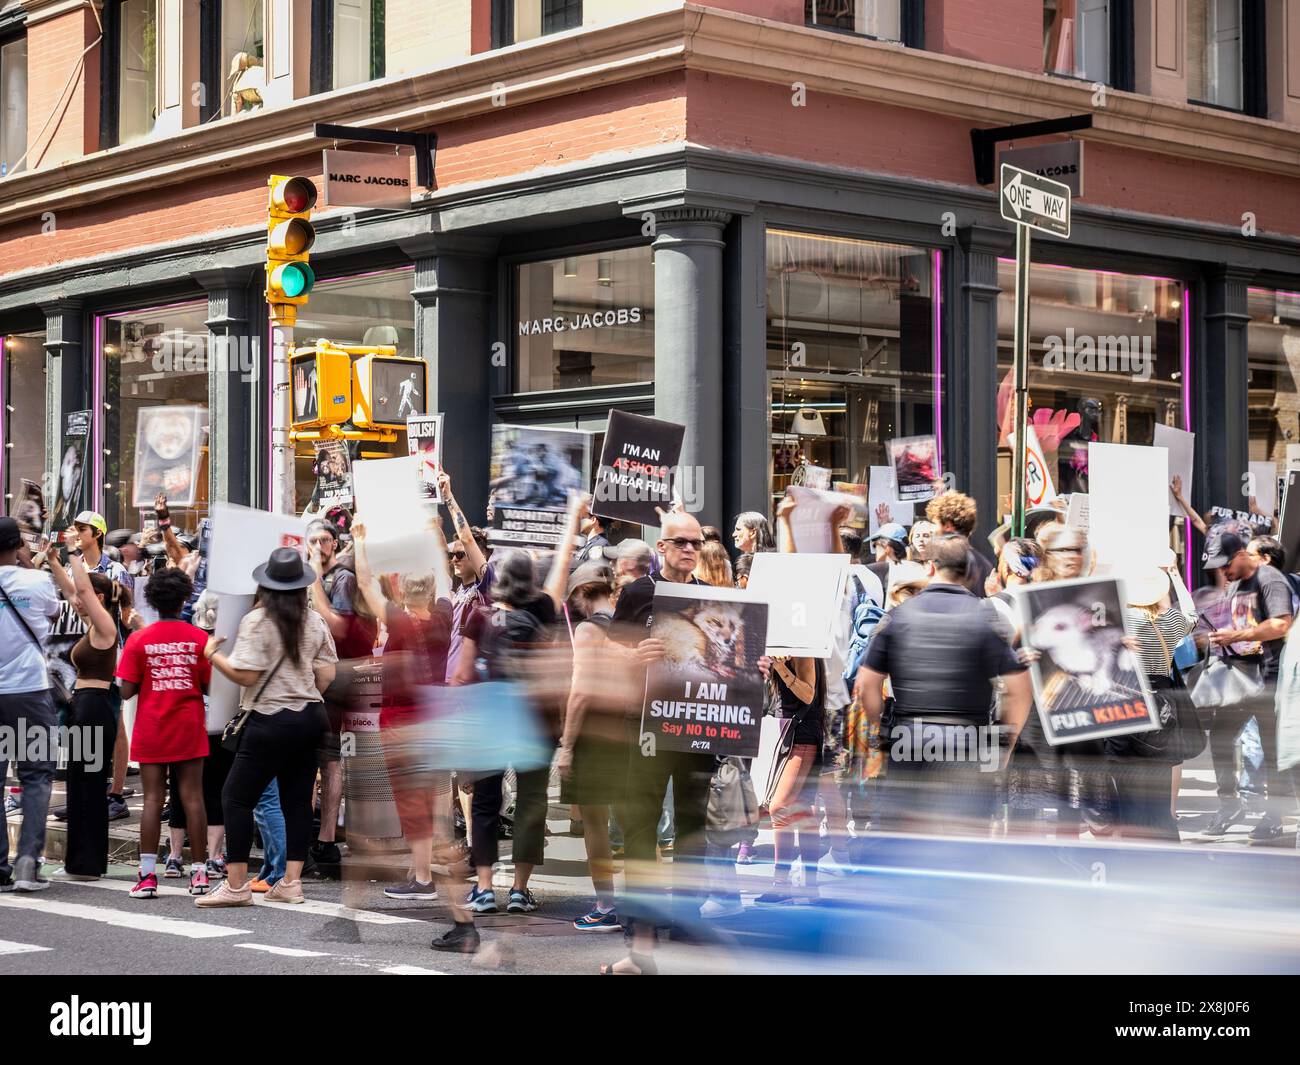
(1259, 612)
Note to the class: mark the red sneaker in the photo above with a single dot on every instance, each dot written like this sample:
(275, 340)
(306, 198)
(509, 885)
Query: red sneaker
(199, 881)
(146, 888)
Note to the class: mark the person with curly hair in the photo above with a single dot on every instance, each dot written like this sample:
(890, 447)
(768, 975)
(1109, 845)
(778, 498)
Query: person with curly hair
(956, 512)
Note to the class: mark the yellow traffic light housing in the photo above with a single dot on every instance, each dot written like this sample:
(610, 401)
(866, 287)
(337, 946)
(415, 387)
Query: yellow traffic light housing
(320, 386)
(386, 388)
(289, 237)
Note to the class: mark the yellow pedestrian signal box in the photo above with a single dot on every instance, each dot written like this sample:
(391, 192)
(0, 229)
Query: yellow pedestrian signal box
(386, 388)
(320, 386)
(289, 237)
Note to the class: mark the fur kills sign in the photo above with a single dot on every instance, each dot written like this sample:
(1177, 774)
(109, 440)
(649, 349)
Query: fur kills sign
(637, 464)
(705, 695)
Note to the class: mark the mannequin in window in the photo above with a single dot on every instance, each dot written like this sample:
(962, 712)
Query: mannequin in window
(1074, 447)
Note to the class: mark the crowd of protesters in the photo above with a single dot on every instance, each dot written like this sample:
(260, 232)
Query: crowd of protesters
(929, 647)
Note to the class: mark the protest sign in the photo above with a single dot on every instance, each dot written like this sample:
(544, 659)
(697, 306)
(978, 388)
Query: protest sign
(532, 473)
(915, 461)
(395, 514)
(810, 476)
(1289, 533)
(223, 693)
(168, 453)
(242, 539)
(1039, 486)
(1087, 684)
(67, 499)
(29, 511)
(1258, 524)
(636, 468)
(1076, 515)
(1181, 446)
(333, 475)
(803, 593)
(424, 439)
(705, 695)
(1263, 484)
(1292, 457)
(881, 490)
(810, 519)
(1128, 521)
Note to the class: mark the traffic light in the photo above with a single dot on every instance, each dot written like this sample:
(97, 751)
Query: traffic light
(386, 388)
(289, 237)
(320, 386)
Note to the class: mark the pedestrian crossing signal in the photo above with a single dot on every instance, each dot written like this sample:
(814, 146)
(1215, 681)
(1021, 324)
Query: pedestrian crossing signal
(289, 237)
(320, 387)
(386, 388)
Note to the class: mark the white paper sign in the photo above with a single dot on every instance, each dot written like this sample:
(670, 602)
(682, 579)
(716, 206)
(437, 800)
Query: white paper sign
(880, 489)
(1292, 457)
(242, 539)
(1181, 446)
(1129, 518)
(1264, 476)
(223, 693)
(810, 520)
(396, 518)
(803, 594)
(1076, 516)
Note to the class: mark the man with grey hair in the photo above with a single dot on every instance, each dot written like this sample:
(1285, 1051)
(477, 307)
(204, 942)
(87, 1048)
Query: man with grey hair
(635, 560)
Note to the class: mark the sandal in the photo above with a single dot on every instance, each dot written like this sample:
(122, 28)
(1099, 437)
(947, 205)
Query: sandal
(644, 962)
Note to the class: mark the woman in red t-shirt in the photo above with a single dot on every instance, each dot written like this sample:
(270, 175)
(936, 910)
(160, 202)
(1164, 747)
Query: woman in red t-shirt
(165, 667)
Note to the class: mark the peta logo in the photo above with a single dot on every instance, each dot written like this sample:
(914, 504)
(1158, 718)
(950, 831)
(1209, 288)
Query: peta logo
(77, 1018)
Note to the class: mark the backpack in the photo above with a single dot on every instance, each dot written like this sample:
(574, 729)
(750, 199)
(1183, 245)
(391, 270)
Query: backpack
(508, 636)
(866, 616)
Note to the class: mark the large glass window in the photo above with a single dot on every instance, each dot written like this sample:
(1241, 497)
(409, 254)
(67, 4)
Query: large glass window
(357, 41)
(154, 396)
(13, 105)
(372, 310)
(882, 19)
(851, 352)
(137, 85)
(243, 55)
(1076, 38)
(22, 390)
(585, 320)
(1273, 343)
(1105, 365)
(1214, 52)
(525, 20)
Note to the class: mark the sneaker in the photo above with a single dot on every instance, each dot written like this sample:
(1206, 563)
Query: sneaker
(745, 854)
(1269, 830)
(717, 909)
(146, 887)
(174, 869)
(225, 895)
(259, 887)
(326, 853)
(27, 875)
(1222, 821)
(775, 898)
(285, 891)
(412, 889)
(59, 813)
(481, 901)
(521, 901)
(117, 810)
(216, 868)
(598, 921)
(462, 939)
(198, 880)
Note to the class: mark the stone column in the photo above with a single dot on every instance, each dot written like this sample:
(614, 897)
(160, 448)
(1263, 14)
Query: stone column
(747, 483)
(68, 388)
(1220, 374)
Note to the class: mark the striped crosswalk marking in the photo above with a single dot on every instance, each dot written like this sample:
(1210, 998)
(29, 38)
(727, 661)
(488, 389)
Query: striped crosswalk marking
(411, 970)
(284, 952)
(138, 920)
(19, 948)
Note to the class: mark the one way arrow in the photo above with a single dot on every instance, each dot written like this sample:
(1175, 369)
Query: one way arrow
(1010, 191)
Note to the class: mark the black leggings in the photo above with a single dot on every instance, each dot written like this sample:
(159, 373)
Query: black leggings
(530, 818)
(216, 767)
(280, 747)
(87, 846)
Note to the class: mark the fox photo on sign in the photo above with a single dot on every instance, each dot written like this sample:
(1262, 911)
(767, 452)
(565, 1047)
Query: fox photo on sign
(1087, 684)
(916, 467)
(424, 440)
(705, 695)
(532, 473)
(636, 468)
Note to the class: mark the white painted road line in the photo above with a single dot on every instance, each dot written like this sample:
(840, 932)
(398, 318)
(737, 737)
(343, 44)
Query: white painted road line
(411, 970)
(141, 921)
(284, 952)
(20, 948)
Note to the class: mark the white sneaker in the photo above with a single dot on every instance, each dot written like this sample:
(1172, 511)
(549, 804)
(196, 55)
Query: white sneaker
(717, 909)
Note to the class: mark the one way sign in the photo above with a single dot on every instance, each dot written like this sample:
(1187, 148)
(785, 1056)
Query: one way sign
(1037, 202)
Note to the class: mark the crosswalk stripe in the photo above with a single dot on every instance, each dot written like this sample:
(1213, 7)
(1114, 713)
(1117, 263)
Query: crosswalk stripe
(285, 952)
(7, 947)
(411, 970)
(143, 922)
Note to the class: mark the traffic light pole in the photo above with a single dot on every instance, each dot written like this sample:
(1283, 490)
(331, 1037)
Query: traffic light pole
(282, 451)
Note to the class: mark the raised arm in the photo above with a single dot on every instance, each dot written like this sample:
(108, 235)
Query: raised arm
(101, 621)
(463, 530)
(1176, 487)
(557, 580)
(442, 566)
(174, 548)
(365, 578)
(783, 511)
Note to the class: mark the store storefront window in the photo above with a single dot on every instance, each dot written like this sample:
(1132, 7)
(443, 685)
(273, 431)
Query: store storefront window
(152, 428)
(371, 310)
(585, 320)
(1273, 343)
(1105, 365)
(22, 391)
(852, 354)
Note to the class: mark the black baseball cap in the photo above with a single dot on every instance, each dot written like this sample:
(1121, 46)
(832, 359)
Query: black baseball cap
(11, 535)
(1224, 550)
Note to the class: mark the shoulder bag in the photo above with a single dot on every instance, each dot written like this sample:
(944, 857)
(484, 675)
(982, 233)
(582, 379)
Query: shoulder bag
(58, 689)
(234, 730)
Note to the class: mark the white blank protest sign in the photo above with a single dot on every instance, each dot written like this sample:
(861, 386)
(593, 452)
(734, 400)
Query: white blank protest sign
(223, 693)
(242, 539)
(803, 595)
(1181, 446)
(1128, 520)
(395, 517)
(1264, 476)
(880, 489)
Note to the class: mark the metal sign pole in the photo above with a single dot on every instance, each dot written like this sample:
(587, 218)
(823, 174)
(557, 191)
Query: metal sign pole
(1022, 381)
(282, 451)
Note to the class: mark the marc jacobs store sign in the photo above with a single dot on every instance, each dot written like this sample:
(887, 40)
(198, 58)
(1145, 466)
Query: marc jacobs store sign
(576, 323)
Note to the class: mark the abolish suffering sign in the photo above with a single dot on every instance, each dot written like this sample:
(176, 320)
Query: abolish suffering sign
(705, 695)
(636, 467)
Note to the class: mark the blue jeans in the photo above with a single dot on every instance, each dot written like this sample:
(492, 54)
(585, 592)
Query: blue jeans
(270, 823)
(34, 710)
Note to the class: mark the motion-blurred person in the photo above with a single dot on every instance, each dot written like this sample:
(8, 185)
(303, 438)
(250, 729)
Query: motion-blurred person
(906, 579)
(942, 653)
(635, 560)
(468, 553)
(752, 534)
(918, 540)
(741, 570)
(1269, 551)
(956, 512)
(714, 566)
(594, 528)
(283, 659)
(1017, 561)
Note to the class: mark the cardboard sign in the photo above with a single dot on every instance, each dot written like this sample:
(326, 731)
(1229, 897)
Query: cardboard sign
(1087, 685)
(637, 463)
(168, 452)
(333, 475)
(881, 490)
(1181, 446)
(424, 440)
(242, 539)
(395, 514)
(705, 696)
(915, 460)
(533, 472)
(1127, 497)
(803, 593)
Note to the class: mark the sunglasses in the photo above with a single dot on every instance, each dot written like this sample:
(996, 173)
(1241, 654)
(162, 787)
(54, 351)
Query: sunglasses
(683, 542)
(455, 556)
